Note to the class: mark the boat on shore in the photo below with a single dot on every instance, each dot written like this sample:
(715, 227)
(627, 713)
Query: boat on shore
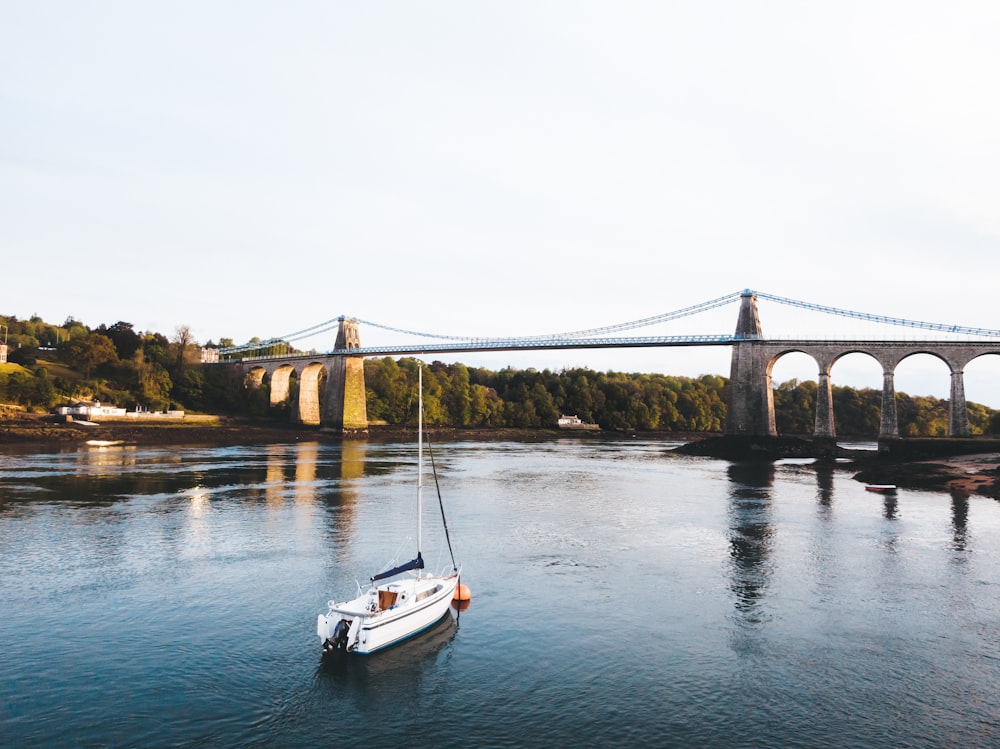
(390, 612)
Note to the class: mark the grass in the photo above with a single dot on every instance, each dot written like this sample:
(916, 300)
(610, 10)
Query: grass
(58, 369)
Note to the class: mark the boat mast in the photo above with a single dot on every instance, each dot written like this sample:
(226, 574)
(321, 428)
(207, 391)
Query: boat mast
(420, 458)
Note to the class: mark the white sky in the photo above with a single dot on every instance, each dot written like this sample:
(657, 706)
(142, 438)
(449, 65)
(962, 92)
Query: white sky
(504, 168)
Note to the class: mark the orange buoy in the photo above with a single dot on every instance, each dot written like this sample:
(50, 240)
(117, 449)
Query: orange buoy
(462, 593)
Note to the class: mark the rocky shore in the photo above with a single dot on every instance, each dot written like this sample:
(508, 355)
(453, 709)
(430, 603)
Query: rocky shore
(961, 466)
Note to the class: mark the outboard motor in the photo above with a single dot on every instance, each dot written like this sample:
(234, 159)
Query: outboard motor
(338, 641)
(340, 634)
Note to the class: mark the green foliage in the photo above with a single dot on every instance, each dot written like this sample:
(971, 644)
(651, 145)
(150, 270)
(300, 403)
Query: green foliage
(125, 339)
(113, 364)
(87, 353)
(795, 407)
(32, 390)
(455, 395)
(858, 412)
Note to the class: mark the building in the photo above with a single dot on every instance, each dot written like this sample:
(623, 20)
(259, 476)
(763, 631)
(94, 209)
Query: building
(90, 410)
(574, 422)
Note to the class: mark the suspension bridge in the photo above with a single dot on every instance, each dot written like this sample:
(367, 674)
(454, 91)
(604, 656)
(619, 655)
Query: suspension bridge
(751, 404)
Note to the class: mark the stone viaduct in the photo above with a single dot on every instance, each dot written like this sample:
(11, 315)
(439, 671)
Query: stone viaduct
(751, 399)
(339, 378)
(331, 387)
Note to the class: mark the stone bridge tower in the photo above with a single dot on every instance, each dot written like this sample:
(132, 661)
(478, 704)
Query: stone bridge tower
(345, 407)
(751, 399)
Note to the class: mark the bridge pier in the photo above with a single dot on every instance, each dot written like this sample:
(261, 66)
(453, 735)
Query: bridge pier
(889, 426)
(958, 425)
(751, 396)
(345, 406)
(824, 405)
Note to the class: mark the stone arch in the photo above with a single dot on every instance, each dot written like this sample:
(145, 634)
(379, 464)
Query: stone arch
(783, 353)
(281, 379)
(311, 381)
(982, 375)
(254, 378)
(910, 353)
(887, 409)
(775, 361)
(958, 417)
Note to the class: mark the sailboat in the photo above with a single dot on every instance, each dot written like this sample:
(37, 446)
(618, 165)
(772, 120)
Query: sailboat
(391, 611)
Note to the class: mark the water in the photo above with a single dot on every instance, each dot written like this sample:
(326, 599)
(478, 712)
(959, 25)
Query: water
(622, 596)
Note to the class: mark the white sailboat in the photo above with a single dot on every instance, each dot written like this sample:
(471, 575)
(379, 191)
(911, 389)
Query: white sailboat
(389, 612)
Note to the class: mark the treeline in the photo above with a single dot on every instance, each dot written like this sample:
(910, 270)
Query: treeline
(456, 395)
(113, 364)
(117, 364)
(859, 412)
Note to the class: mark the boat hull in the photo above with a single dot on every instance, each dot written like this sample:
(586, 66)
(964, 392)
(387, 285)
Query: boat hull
(363, 627)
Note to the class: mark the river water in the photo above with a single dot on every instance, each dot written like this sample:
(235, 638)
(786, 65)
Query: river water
(622, 596)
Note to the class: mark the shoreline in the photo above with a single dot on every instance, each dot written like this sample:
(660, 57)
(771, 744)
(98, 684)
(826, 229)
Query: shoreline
(42, 429)
(962, 475)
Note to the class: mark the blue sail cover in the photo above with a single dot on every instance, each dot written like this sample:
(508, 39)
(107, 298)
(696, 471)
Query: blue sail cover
(413, 564)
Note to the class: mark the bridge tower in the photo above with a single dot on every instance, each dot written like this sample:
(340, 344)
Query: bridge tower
(344, 405)
(751, 398)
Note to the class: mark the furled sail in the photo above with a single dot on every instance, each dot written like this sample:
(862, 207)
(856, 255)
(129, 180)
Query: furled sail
(413, 564)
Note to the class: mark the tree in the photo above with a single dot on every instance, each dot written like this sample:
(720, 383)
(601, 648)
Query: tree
(126, 340)
(88, 353)
(458, 398)
(182, 339)
(190, 389)
(156, 349)
(154, 383)
(75, 328)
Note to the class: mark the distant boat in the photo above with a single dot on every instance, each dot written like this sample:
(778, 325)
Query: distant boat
(103, 443)
(882, 488)
(391, 612)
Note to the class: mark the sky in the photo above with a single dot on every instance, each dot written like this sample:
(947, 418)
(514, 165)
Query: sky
(505, 169)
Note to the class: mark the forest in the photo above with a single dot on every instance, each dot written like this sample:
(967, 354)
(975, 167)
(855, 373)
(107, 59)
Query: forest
(49, 365)
(460, 396)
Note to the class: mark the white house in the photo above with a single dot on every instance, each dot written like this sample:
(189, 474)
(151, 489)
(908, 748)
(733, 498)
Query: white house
(90, 409)
(574, 422)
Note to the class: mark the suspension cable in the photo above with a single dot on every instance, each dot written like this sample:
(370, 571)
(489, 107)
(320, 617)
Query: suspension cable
(685, 312)
(880, 318)
(632, 325)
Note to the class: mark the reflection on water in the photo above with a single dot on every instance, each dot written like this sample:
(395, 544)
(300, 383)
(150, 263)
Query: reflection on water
(824, 484)
(889, 505)
(352, 460)
(111, 457)
(750, 532)
(959, 521)
(168, 597)
(392, 674)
